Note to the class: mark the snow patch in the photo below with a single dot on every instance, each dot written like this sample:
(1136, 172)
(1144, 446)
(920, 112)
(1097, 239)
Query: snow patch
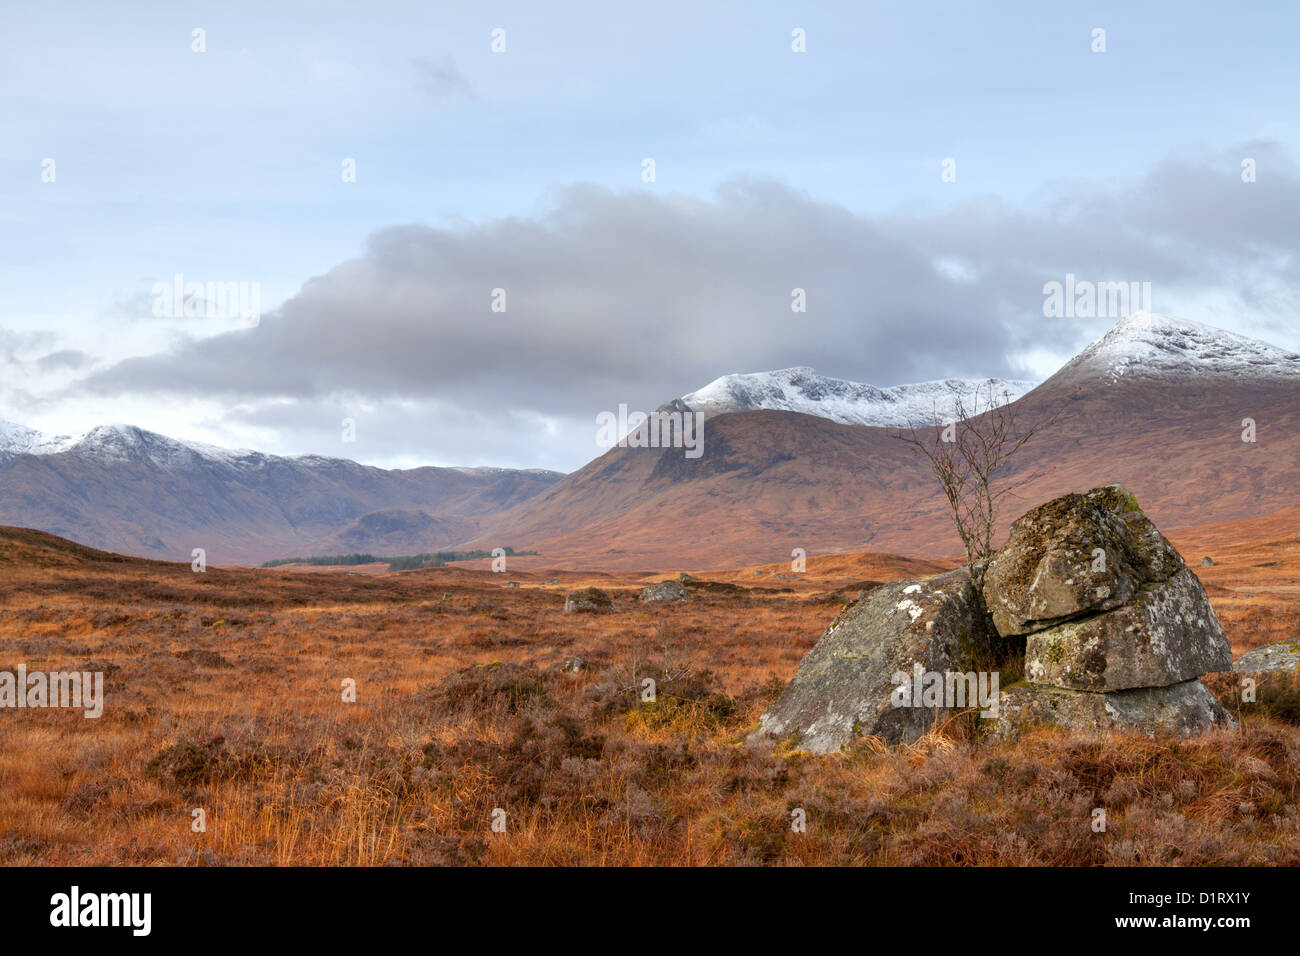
(803, 390)
(1144, 344)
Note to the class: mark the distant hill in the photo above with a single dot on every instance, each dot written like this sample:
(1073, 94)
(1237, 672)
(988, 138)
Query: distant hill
(127, 489)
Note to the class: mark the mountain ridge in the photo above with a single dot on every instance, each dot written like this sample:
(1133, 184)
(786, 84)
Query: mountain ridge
(769, 479)
(802, 389)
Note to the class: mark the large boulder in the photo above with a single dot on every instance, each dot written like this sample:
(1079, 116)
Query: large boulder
(1075, 555)
(1166, 634)
(1185, 709)
(843, 687)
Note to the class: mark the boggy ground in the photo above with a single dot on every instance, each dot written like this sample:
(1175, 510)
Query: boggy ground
(224, 693)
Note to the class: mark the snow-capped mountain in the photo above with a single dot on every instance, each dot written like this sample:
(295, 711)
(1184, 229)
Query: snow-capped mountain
(851, 403)
(1146, 407)
(769, 481)
(1146, 346)
(1139, 346)
(123, 488)
(20, 440)
(121, 443)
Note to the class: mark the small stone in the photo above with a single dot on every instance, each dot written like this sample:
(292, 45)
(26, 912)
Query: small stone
(588, 601)
(664, 591)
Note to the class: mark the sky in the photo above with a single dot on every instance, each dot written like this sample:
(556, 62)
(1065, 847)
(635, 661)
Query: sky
(462, 250)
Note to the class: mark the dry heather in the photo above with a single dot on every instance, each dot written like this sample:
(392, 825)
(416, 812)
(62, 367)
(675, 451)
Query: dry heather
(224, 693)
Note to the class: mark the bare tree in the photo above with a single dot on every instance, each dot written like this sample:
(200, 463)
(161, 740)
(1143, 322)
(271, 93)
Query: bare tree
(967, 455)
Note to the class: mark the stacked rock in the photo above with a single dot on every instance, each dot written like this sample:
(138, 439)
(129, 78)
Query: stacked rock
(1117, 628)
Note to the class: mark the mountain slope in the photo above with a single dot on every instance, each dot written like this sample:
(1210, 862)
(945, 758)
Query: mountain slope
(769, 481)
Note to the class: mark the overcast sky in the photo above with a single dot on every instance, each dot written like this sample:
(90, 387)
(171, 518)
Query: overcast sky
(128, 158)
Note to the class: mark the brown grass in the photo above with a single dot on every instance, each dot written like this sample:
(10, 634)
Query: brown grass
(224, 693)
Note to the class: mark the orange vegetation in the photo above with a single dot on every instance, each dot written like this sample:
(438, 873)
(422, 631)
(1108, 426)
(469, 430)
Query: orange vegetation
(224, 693)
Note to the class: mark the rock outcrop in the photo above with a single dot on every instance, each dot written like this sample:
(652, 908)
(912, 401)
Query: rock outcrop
(1113, 627)
(844, 687)
(1117, 628)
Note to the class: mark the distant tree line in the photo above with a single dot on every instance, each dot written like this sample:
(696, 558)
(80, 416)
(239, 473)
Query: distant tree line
(408, 562)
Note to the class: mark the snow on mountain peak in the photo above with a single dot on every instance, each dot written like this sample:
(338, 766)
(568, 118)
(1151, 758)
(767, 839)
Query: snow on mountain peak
(1145, 345)
(116, 442)
(801, 389)
(18, 439)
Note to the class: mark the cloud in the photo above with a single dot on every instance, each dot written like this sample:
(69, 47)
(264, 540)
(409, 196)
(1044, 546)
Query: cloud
(439, 79)
(640, 296)
(63, 359)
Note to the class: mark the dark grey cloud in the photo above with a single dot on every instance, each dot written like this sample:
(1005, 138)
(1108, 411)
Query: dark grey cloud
(610, 297)
(640, 296)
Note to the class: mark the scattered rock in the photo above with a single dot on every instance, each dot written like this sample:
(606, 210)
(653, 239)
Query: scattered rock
(664, 591)
(1283, 656)
(588, 601)
(1208, 562)
(573, 665)
(512, 584)
(843, 686)
(685, 578)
